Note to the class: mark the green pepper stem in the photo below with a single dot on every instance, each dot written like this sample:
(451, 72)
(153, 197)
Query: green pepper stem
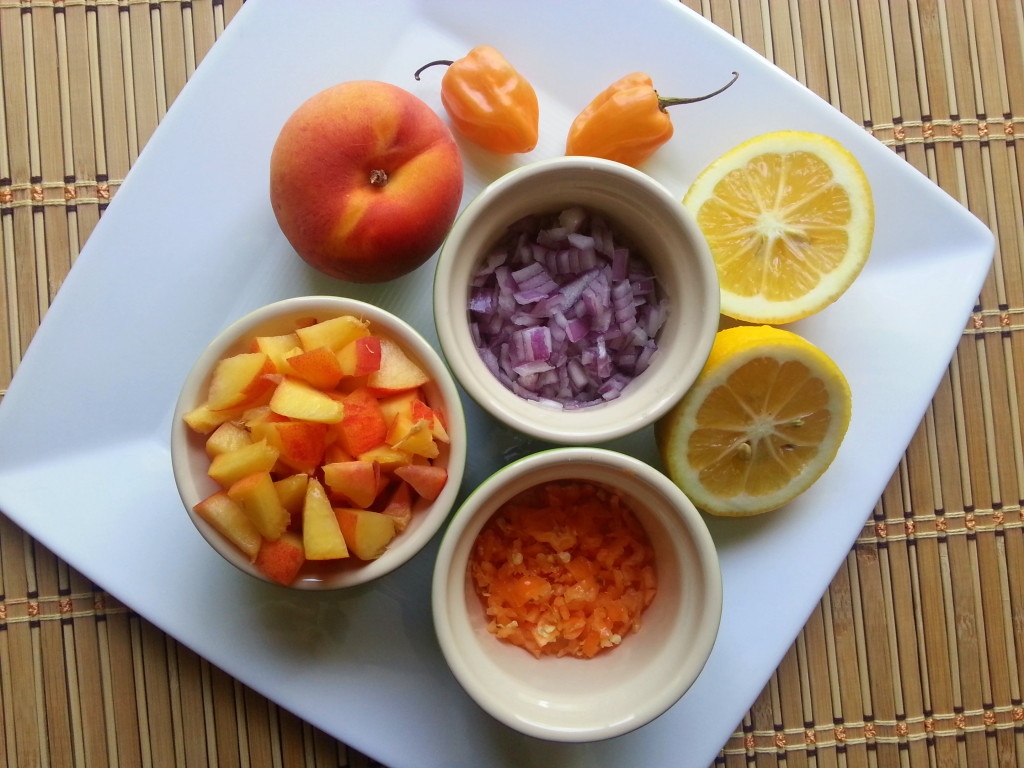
(446, 62)
(662, 103)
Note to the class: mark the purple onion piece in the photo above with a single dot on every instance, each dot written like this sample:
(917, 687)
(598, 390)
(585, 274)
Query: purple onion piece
(564, 314)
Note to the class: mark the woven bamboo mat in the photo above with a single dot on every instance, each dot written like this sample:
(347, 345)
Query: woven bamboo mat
(915, 654)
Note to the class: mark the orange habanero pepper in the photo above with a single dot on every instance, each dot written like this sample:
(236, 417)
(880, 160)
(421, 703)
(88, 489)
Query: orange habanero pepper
(489, 102)
(627, 121)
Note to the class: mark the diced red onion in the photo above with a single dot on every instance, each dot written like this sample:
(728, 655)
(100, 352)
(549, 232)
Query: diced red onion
(576, 330)
(562, 313)
(620, 264)
(572, 219)
(583, 242)
(529, 344)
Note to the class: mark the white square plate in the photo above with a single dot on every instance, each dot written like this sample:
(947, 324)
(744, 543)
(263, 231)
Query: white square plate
(189, 244)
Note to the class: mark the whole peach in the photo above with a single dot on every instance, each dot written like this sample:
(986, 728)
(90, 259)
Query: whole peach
(365, 181)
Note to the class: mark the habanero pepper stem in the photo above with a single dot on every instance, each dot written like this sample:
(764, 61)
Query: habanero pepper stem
(489, 102)
(628, 121)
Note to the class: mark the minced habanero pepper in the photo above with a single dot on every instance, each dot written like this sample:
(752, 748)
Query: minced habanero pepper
(564, 569)
(627, 121)
(489, 102)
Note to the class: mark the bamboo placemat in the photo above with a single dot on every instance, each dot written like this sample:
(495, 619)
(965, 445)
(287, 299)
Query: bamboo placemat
(915, 654)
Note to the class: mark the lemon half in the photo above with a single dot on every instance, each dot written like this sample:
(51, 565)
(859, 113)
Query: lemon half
(764, 419)
(789, 218)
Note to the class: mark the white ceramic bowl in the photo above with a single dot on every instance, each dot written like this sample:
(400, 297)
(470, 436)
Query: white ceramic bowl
(190, 462)
(658, 226)
(570, 699)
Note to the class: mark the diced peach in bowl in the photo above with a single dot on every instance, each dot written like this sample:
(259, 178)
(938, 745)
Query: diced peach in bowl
(318, 442)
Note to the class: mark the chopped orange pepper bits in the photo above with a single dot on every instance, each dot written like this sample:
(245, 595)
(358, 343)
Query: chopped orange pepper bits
(564, 569)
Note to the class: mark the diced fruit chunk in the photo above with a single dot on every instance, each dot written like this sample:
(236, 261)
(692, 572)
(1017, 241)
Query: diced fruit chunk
(259, 500)
(367, 534)
(204, 420)
(397, 370)
(282, 559)
(227, 437)
(335, 451)
(258, 414)
(413, 437)
(403, 410)
(298, 400)
(277, 348)
(240, 380)
(228, 468)
(333, 333)
(357, 481)
(229, 519)
(291, 490)
(321, 536)
(399, 506)
(387, 457)
(426, 479)
(301, 444)
(392, 405)
(360, 357)
(420, 410)
(318, 366)
(363, 426)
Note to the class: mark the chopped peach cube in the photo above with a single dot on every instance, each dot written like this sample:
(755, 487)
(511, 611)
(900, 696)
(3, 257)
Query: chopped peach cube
(426, 479)
(416, 438)
(227, 437)
(420, 410)
(357, 481)
(360, 357)
(387, 457)
(399, 506)
(282, 559)
(367, 533)
(397, 371)
(229, 519)
(240, 380)
(277, 348)
(363, 426)
(204, 420)
(335, 451)
(318, 366)
(298, 400)
(301, 444)
(259, 500)
(291, 490)
(321, 535)
(392, 405)
(230, 467)
(334, 333)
